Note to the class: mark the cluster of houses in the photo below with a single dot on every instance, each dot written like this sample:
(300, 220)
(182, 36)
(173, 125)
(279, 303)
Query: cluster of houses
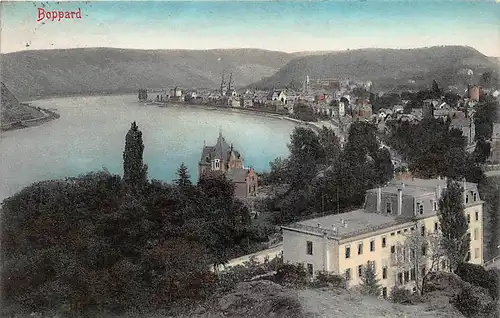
(336, 99)
(318, 94)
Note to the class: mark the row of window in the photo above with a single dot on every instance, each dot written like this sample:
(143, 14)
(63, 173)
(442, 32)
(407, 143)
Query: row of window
(309, 244)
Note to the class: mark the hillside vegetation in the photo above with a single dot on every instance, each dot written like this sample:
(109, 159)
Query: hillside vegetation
(109, 70)
(11, 110)
(388, 68)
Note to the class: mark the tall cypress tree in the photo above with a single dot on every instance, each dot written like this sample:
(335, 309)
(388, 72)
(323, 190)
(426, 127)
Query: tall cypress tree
(453, 224)
(134, 170)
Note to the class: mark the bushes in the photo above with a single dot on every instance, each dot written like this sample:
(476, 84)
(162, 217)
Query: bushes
(404, 296)
(479, 276)
(291, 275)
(466, 302)
(326, 279)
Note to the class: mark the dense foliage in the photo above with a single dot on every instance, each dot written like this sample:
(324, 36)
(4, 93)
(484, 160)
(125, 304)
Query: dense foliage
(453, 224)
(324, 177)
(490, 194)
(95, 243)
(433, 149)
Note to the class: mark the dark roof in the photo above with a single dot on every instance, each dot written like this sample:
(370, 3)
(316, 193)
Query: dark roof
(221, 148)
(237, 175)
(207, 151)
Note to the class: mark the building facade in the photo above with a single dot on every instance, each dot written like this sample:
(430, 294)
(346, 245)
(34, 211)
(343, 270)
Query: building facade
(379, 234)
(495, 144)
(225, 159)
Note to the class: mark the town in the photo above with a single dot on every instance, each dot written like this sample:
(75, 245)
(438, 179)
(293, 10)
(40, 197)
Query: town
(250, 159)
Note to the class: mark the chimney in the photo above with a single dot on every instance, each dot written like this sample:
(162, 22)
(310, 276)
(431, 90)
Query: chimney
(319, 225)
(438, 192)
(345, 224)
(379, 200)
(334, 230)
(400, 201)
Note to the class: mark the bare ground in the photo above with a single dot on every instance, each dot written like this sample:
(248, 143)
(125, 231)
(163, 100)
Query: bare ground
(322, 303)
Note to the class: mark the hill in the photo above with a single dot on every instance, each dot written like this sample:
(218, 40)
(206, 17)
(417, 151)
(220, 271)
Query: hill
(388, 68)
(96, 70)
(11, 110)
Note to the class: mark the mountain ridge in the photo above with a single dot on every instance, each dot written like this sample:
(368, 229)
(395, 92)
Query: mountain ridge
(42, 73)
(389, 68)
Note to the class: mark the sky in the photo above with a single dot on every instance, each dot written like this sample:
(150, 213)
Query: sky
(288, 26)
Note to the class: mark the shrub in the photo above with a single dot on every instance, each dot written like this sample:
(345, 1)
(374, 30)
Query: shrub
(466, 302)
(327, 279)
(402, 296)
(477, 275)
(289, 274)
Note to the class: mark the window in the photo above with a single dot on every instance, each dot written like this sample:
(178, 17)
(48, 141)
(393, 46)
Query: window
(388, 207)
(392, 234)
(406, 276)
(434, 205)
(372, 246)
(476, 252)
(309, 248)
(420, 207)
(476, 234)
(310, 269)
(466, 198)
(422, 230)
(348, 252)
(399, 232)
(477, 215)
(436, 227)
(384, 292)
(412, 274)
(384, 272)
(424, 250)
(468, 218)
(412, 228)
(474, 196)
(405, 230)
(443, 264)
(384, 242)
(217, 164)
(360, 270)
(468, 256)
(400, 278)
(360, 249)
(393, 249)
(348, 275)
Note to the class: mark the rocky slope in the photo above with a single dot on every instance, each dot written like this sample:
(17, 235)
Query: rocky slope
(11, 110)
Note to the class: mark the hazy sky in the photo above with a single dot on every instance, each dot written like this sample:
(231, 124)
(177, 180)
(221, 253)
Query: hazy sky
(282, 26)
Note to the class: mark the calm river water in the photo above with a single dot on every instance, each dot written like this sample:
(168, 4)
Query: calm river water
(91, 132)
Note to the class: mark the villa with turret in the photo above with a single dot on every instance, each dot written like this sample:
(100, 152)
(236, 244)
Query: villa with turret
(223, 158)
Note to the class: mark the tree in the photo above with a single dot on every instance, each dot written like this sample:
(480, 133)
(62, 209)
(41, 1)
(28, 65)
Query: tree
(183, 178)
(330, 143)
(279, 173)
(436, 91)
(134, 170)
(369, 281)
(418, 256)
(305, 153)
(453, 224)
(486, 114)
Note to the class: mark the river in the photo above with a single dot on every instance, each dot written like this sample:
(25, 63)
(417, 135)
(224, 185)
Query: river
(90, 135)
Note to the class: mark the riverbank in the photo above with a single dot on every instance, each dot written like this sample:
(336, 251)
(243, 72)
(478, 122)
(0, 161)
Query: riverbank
(47, 115)
(316, 126)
